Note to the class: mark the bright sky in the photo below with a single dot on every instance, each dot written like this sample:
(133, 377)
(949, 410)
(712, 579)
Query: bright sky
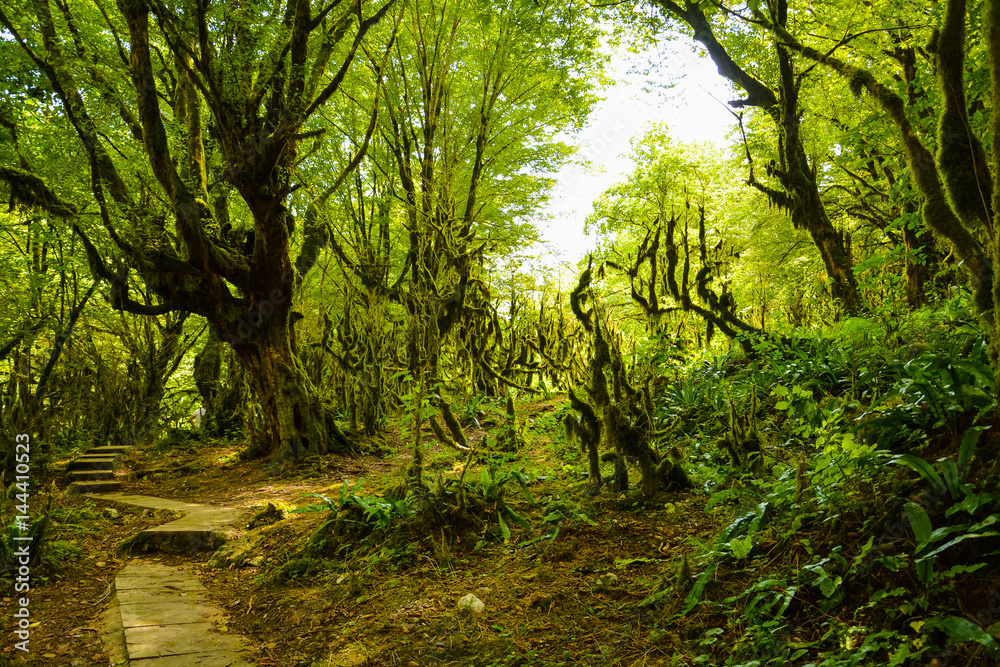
(629, 108)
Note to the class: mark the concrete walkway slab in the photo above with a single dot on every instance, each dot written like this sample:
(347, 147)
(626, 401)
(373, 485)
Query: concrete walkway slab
(109, 449)
(89, 475)
(103, 463)
(136, 615)
(144, 595)
(154, 641)
(172, 583)
(102, 486)
(169, 622)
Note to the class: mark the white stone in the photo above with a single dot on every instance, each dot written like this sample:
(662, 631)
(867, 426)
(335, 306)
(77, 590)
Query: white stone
(473, 604)
(607, 579)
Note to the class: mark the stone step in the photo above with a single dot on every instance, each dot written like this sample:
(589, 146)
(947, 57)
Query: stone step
(91, 464)
(175, 541)
(109, 449)
(94, 487)
(90, 475)
(201, 528)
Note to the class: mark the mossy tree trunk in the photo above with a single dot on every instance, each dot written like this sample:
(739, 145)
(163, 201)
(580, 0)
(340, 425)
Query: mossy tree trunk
(207, 374)
(991, 28)
(620, 418)
(163, 351)
(297, 421)
(669, 265)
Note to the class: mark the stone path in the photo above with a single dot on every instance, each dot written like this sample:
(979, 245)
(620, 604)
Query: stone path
(166, 617)
(202, 528)
(169, 622)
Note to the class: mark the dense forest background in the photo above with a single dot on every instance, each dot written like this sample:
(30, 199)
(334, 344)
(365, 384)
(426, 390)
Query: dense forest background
(315, 222)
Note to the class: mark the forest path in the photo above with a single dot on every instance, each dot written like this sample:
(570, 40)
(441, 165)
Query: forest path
(164, 614)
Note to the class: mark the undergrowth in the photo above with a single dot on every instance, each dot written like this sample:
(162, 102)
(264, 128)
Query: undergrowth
(858, 477)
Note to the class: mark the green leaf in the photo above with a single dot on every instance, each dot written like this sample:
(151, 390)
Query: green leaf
(863, 553)
(622, 563)
(658, 597)
(522, 480)
(514, 515)
(988, 521)
(971, 502)
(829, 585)
(741, 546)
(924, 469)
(969, 441)
(789, 596)
(979, 371)
(504, 528)
(961, 569)
(941, 533)
(310, 508)
(949, 474)
(920, 523)
(694, 597)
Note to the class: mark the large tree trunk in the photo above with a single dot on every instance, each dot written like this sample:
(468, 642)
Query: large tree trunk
(809, 212)
(297, 422)
(938, 214)
(917, 273)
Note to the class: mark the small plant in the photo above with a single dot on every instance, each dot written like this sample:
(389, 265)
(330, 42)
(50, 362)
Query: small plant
(560, 514)
(347, 493)
(950, 476)
(491, 486)
(381, 512)
(378, 512)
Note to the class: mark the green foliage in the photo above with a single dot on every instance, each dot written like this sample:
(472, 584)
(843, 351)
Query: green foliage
(378, 513)
(949, 385)
(933, 390)
(381, 512)
(821, 424)
(347, 493)
(951, 476)
(492, 483)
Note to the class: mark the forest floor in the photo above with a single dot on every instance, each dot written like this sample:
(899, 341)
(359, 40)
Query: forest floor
(380, 601)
